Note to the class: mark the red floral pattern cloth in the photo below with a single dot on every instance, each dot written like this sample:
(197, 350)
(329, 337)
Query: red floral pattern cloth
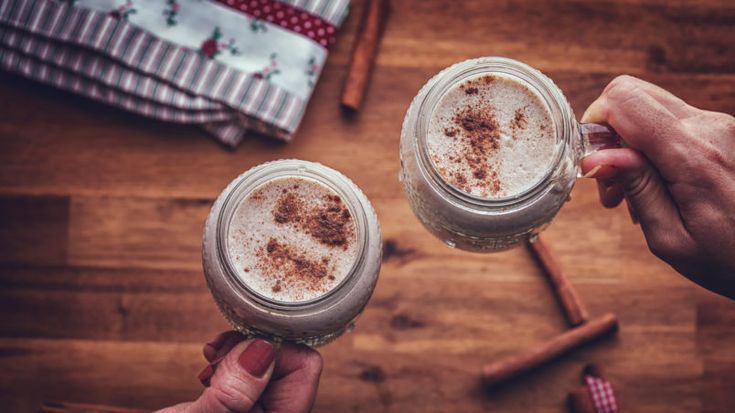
(229, 66)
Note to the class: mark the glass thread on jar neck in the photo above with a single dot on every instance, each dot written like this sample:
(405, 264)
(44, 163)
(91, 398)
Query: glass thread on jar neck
(546, 89)
(253, 179)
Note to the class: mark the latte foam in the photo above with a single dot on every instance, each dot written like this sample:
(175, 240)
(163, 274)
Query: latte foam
(292, 239)
(492, 136)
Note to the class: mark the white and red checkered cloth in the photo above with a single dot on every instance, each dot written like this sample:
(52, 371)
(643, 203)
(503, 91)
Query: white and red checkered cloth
(602, 395)
(230, 66)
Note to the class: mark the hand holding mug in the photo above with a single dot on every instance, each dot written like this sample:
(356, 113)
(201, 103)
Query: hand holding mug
(677, 172)
(250, 375)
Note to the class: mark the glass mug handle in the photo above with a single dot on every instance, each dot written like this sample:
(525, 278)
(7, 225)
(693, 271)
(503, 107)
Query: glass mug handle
(596, 136)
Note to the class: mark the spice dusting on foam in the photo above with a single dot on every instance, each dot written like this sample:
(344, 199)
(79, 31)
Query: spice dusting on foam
(491, 136)
(295, 239)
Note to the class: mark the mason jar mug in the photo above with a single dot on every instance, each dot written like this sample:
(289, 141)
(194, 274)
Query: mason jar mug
(483, 224)
(315, 320)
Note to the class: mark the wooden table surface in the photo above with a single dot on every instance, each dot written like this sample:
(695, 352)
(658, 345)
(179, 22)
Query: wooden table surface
(102, 298)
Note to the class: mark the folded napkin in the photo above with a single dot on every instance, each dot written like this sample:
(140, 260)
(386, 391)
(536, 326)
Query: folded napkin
(229, 66)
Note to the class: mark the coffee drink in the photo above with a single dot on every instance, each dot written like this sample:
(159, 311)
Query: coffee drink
(491, 136)
(488, 153)
(292, 252)
(292, 239)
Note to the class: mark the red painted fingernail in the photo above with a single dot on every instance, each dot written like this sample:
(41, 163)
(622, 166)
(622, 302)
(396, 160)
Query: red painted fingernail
(206, 374)
(216, 361)
(209, 351)
(257, 358)
(220, 340)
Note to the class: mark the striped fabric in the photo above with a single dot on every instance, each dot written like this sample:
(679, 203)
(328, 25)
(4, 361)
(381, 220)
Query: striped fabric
(111, 60)
(334, 11)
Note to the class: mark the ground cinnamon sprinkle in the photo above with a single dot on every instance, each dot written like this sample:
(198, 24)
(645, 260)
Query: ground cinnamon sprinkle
(495, 183)
(477, 132)
(288, 208)
(488, 79)
(329, 224)
(519, 121)
(286, 265)
(471, 91)
(481, 134)
(294, 237)
(461, 180)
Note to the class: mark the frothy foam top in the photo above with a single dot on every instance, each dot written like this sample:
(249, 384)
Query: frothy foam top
(292, 239)
(491, 136)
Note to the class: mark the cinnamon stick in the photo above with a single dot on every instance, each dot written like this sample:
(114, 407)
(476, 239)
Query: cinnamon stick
(363, 55)
(574, 310)
(517, 364)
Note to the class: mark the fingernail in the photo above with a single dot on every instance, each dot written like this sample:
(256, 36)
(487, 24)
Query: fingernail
(216, 361)
(210, 351)
(205, 375)
(592, 172)
(220, 340)
(257, 358)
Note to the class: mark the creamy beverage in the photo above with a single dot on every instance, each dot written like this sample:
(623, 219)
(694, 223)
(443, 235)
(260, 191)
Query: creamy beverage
(491, 136)
(292, 239)
(489, 153)
(291, 252)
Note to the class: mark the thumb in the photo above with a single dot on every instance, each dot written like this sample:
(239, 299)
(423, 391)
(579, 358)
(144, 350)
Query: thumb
(644, 189)
(239, 380)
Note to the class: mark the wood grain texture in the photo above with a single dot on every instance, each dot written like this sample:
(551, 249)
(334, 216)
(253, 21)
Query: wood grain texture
(66, 407)
(573, 307)
(102, 299)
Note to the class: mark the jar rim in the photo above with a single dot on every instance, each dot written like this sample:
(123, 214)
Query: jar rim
(546, 89)
(259, 175)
